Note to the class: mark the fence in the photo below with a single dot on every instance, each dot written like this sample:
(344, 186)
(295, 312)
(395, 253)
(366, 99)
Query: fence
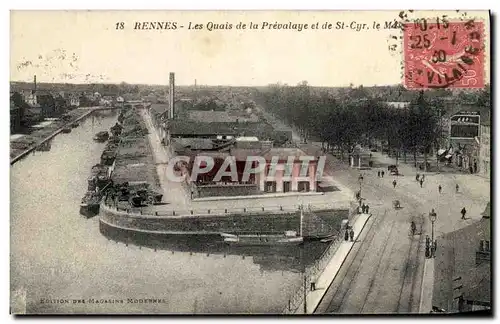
(147, 211)
(312, 272)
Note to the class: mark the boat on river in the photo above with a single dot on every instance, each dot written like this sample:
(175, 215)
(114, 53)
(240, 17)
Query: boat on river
(288, 238)
(99, 177)
(101, 136)
(66, 130)
(89, 206)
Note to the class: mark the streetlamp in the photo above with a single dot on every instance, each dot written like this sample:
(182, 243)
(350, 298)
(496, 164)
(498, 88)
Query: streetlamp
(432, 217)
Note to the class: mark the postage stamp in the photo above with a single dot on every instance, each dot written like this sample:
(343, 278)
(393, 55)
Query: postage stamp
(443, 54)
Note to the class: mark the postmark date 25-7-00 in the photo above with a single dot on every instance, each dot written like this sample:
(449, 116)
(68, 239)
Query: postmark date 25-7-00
(443, 54)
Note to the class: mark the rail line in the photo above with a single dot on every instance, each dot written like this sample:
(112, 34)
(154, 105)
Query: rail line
(413, 270)
(366, 242)
(372, 279)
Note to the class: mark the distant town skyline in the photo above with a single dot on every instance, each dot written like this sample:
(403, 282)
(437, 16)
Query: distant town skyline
(86, 47)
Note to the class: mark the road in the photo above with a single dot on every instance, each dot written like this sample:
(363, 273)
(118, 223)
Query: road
(173, 192)
(383, 273)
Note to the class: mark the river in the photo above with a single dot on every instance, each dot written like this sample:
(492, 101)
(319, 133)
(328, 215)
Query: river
(63, 264)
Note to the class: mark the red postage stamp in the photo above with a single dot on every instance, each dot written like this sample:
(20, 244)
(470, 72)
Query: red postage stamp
(443, 54)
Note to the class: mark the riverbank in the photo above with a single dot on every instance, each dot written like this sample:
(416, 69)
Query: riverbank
(25, 144)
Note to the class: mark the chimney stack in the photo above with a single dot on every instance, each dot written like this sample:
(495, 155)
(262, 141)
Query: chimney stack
(34, 84)
(171, 97)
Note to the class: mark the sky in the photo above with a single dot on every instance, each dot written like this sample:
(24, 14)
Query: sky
(86, 46)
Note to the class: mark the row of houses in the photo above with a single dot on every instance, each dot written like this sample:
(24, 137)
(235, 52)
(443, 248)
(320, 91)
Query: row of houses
(465, 141)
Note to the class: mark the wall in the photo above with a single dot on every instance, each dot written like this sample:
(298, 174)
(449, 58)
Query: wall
(279, 177)
(262, 222)
(485, 150)
(226, 190)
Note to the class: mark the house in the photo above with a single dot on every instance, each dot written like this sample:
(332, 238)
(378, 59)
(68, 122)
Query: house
(15, 117)
(285, 169)
(29, 97)
(462, 268)
(485, 149)
(74, 100)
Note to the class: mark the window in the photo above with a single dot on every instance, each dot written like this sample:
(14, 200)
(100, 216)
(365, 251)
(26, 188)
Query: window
(484, 246)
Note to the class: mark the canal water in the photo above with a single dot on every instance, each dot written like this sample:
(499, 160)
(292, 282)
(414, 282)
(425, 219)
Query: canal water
(59, 257)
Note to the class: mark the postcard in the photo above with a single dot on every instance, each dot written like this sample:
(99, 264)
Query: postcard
(250, 162)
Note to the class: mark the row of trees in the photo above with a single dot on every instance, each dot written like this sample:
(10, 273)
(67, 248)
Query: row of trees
(344, 120)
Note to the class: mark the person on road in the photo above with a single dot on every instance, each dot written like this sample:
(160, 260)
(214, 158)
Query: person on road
(440, 188)
(413, 228)
(457, 187)
(394, 183)
(423, 177)
(378, 173)
(417, 177)
(463, 212)
(367, 208)
(421, 182)
(363, 208)
(383, 173)
(346, 236)
(351, 234)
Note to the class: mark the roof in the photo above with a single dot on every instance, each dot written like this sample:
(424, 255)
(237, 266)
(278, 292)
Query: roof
(185, 127)
(456, 259)
(220, 116)
(484, 112)
(195, 143)
(267, 154)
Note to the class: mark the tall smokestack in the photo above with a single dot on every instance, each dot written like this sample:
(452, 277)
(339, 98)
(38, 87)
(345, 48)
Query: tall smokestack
(34, 84)
(171, 97)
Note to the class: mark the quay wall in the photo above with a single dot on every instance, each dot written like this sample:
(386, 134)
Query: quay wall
(213, 224)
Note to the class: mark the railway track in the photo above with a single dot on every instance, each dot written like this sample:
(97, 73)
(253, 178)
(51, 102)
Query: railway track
(360, 286)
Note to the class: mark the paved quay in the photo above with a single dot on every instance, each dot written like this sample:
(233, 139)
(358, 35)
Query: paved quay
(327, 276)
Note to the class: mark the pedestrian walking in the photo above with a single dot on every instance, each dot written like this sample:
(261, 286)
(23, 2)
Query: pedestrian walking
(423, 177)
(456, 188)
(346, 236)
(417, 177)
(351, 234)
(440, 188)
(394, 183)
(363, 208)
(378, 173)
(463, 212)
(367, 208)
(383, 172)
(421, 182)
(313, 286)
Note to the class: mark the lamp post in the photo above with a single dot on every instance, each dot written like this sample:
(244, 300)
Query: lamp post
(432, 217)
(360, 179)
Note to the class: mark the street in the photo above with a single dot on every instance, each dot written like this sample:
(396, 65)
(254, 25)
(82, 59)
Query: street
(383, 273)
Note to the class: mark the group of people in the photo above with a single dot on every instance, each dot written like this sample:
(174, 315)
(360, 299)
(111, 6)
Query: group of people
(365, 208)
(420, 179)
(380, 173)
(349, 234)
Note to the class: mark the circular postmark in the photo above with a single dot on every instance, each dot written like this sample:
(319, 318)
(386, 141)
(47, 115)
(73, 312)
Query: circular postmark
(443, 54)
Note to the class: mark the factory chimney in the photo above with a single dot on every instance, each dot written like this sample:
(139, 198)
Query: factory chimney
(171, 97)
(34, 85)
